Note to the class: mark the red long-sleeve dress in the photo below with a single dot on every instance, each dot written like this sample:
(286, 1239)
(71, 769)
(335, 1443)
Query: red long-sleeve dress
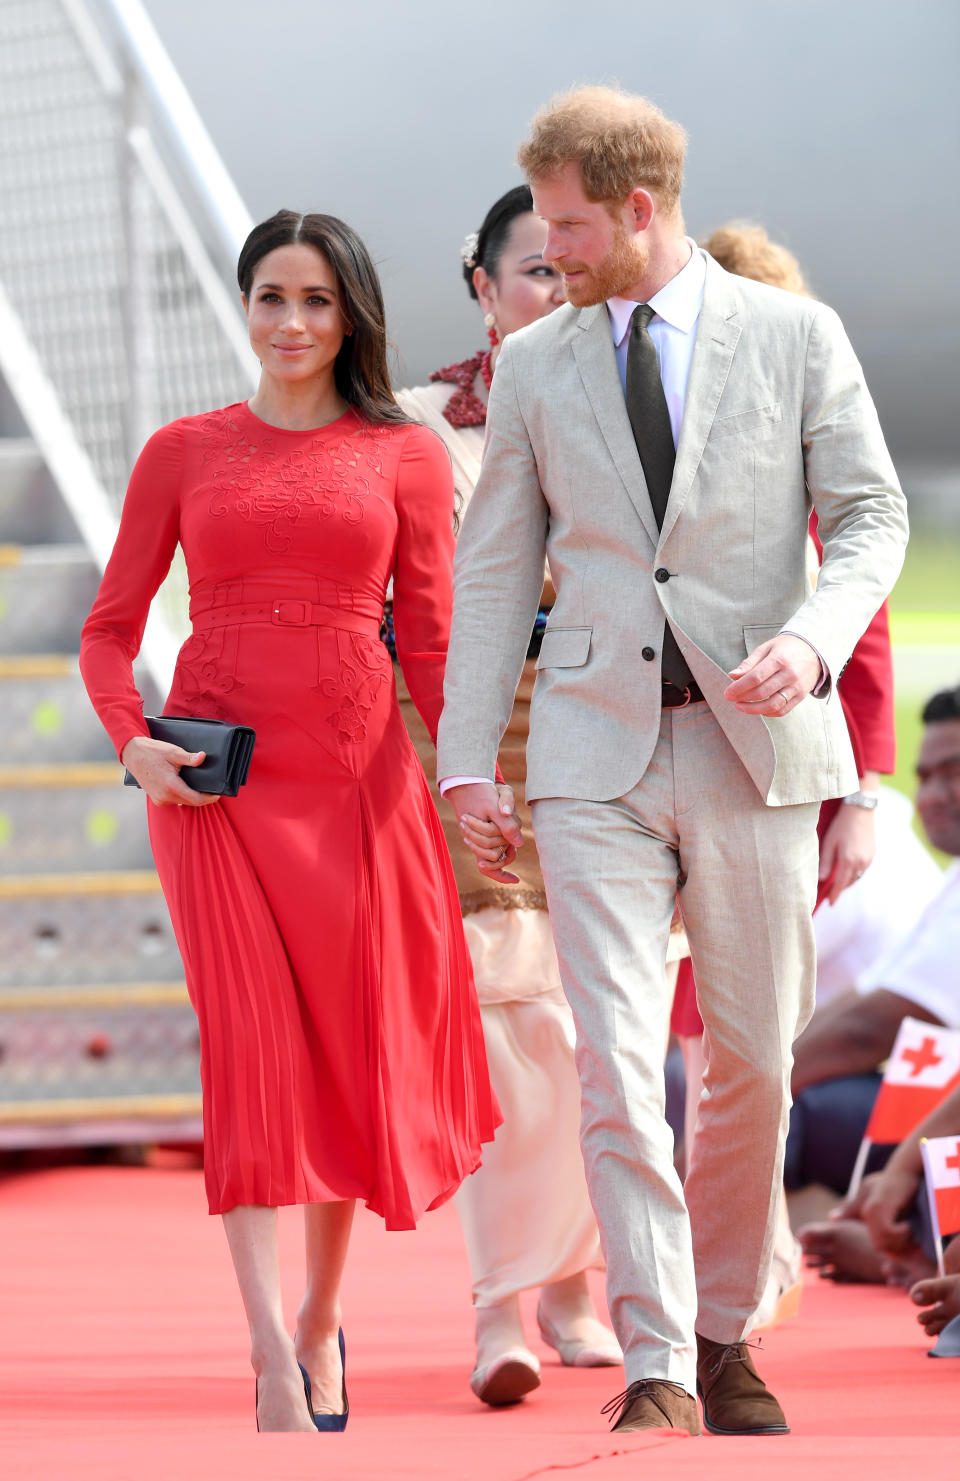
(341, 1047)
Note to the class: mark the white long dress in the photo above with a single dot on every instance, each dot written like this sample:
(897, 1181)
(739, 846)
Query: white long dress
(525, 1214)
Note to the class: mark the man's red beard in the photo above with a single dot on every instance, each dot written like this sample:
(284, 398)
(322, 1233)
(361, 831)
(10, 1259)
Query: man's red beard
(623, 267)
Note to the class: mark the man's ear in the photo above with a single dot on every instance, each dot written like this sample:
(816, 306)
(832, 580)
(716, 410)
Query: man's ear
(642, 206)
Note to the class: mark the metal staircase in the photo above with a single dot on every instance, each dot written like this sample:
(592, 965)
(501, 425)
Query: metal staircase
(118, 228)
(97, 1038)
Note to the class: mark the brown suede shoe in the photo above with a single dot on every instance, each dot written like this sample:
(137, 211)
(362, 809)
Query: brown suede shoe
(653, 1404)
(735, 1399)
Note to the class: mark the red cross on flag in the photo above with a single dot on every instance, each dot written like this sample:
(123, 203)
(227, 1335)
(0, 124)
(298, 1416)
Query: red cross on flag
(924, 1066)
(941, 1162)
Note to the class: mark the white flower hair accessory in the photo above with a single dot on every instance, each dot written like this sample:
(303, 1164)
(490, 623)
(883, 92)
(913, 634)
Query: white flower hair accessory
(468, 251)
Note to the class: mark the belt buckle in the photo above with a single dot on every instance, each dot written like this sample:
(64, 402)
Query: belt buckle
(685, 691)
(288, 613)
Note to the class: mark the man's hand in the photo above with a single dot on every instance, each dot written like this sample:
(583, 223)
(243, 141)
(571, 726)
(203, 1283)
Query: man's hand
(775, 677)
(488, 821)
(156, 766)
(847, 850)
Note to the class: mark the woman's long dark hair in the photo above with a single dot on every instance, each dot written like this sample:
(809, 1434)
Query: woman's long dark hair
(360, 369)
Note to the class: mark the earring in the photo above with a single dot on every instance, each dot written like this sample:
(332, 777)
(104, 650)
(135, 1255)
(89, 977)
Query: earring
(492, 334)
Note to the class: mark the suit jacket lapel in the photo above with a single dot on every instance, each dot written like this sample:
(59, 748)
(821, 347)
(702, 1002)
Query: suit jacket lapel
(597, 364)
(716, 341)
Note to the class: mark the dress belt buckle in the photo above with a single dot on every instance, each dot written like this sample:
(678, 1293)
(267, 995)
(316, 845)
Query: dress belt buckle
(290, 614)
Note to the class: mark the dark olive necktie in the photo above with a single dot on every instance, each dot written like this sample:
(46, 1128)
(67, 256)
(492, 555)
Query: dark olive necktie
(650, 420)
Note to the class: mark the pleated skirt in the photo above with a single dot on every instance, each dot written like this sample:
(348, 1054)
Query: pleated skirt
(342, 1051)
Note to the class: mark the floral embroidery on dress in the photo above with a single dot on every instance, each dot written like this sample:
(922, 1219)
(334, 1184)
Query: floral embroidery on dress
(204, 671)
(282, 486)
(290, 485)
(355, 688)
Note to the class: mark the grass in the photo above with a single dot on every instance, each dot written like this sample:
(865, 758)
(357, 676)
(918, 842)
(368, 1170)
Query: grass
(925, 627)
(930, 580)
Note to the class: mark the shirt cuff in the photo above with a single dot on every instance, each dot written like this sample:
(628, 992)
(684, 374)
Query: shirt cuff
(824, 680)
(461, 781)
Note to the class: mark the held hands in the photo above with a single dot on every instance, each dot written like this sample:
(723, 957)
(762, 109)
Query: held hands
(156, 766)
(775, 677)
(489, 825)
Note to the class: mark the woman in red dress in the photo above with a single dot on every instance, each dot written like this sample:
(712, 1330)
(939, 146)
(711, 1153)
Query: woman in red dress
(341, 1048)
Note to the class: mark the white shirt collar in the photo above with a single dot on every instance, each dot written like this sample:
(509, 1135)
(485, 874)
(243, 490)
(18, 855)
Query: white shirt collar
(678, 302)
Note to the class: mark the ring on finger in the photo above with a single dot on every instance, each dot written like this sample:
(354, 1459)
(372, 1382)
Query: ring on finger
(784, 696)
(502, 854)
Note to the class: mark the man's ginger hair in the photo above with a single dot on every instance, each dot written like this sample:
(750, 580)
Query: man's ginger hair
(619, 140)
(746, 250)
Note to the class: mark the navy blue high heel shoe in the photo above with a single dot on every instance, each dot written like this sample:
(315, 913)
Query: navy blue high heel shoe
(331, 1422)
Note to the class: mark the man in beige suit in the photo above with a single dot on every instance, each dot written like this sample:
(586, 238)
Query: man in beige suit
(661, 440)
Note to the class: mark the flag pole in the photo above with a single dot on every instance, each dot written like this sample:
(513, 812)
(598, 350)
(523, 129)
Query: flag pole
(932, 1200)
(856, 1177)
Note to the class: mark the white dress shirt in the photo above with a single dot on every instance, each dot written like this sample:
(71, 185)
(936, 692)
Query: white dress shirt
(923, 968)
(673, 330)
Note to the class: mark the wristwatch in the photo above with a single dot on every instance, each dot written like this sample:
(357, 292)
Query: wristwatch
(866, 800)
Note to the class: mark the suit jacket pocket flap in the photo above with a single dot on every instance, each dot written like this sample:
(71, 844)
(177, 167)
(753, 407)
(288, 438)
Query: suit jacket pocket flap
(564, 647)
(756, 420)
(761, 633)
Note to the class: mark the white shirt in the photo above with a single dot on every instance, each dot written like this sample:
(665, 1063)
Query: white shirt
(673, 330)
(923, 968)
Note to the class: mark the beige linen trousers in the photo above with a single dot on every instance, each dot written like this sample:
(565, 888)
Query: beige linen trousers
(630, 802)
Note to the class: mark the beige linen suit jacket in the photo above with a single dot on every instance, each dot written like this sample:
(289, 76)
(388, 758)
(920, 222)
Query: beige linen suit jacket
(777, 416)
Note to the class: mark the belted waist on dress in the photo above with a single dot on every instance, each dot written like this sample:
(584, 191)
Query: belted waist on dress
(285, 612)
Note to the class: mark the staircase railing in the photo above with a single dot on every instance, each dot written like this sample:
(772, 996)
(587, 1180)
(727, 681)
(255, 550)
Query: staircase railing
(119, 230)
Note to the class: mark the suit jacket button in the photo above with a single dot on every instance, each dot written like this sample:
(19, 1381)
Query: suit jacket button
(661, 574)
(648, 654)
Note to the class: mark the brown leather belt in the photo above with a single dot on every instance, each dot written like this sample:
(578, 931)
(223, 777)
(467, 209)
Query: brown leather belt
(286, 612)
(672, 698)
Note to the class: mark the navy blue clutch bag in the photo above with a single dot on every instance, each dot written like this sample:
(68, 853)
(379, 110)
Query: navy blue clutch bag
(223, 771)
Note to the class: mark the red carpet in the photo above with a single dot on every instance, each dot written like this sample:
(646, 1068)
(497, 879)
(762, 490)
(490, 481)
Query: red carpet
(123, 1359)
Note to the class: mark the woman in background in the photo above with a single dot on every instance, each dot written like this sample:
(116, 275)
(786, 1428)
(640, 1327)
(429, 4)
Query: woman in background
(525, 1214)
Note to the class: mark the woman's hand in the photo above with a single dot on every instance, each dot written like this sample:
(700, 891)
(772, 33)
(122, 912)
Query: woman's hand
(491, 829)
(156, 766)
(848, 847)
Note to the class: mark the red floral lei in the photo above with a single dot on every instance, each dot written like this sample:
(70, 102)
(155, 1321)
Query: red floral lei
(465, 409)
